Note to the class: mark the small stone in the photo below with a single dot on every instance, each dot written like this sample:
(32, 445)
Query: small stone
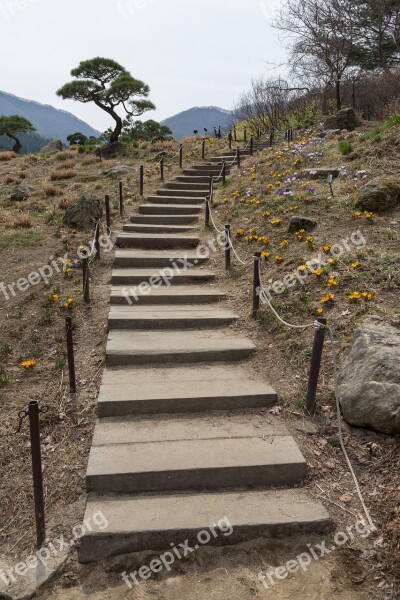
(297, 223)
(379, 194)
(22, 192)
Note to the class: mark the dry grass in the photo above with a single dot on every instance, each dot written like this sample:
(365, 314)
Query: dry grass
(90, 160)
(65, 155)
(23, 222)
(65, 203)
(7, 155)
(51, 190)
(62, 173)
(9, 180)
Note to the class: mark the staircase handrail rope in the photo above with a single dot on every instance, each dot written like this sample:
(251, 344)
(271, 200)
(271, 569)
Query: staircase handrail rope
(238, 257)
(329, 329)
(222, 231)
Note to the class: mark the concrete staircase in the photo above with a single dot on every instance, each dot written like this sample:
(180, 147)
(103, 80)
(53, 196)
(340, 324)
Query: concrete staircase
(183, 439)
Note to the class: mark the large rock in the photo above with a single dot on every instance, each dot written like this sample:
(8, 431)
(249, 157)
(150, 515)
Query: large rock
(112, 150)
(381, 193)
(118, 171)
(84, 213)
(297, 223)
(347, 118)
(320, 173)
(52, 147)
(369, 382)
(22, 191)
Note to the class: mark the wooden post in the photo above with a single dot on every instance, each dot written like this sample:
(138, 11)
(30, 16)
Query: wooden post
(315, 367)
(34, 427)
(227, 247)
(203, 150)
(245, 135)
(181, 156)
(162, 168)
(141, 180)
(223, 172)
(256, 282)
(70, 352)
(230, 140)
(235, 134)
(207, 217)
(121, 199)
(108, 214)
(251, 145)
(238, 157)
(97, 238)
(86, 275)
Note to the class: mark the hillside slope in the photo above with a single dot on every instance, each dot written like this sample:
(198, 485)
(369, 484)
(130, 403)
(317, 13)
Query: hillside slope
(199, 117)
(49, 121)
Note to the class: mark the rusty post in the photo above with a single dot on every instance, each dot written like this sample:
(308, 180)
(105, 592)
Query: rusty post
(227, 247)
(85, 275)
(70, 352)
(37, 472)
(141, 180)
(207, 217)
(315, 367)
(121, 199)
(256, 282)
(108, 214)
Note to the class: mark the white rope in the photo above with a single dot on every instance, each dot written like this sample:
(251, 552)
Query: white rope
(212, 219)
(317, 324)
(238, 257)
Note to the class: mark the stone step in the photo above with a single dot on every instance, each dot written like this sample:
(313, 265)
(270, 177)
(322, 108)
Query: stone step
(181, 200)
(159, 240)
(139, 391)
(165, 219)
(170, 209)
(161, 259)
(191, 453)
(169, 276)
(176, 294)
(210, 169)
(152, 228)
(181, 192)
(187, 185)
(194, 178)
(149, 522)
(168, 316)
(141, 347)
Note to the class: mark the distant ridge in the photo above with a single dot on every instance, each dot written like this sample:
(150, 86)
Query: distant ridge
(50, 122)
(198, 117)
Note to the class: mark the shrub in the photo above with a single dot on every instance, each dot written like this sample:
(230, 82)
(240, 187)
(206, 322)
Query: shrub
(65, 155)
(7, 155)
(52, 190)
(62, 174)
(22, 222)
(345, 147)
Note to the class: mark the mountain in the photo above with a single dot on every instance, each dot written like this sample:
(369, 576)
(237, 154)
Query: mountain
(31, 142)
(50, 122)
(199, 117)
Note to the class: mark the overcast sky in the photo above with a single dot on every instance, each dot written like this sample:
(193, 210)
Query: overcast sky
(190, 52)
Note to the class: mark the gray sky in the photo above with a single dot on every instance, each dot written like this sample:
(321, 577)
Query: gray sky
(190, 52)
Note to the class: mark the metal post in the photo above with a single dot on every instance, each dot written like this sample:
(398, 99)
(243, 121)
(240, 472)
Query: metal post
(316, 358)
(121, 199)
(203, 150)
(37, 472)
(251, 145)
(223, 172)
(245, 135)
(97, 238)
(162, 168)
(181, 156)
(227, 247)
(141, 180)
(70, 352)
(256, 282)
(108, 214)
(238, 157)
(207, 218)
(85, 275)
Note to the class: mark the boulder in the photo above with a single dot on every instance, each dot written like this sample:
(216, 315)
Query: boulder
(118, 171)
(297, 223)
(323, 134)
(22, 191)
(52, 147)
(379, 194)
(112, 150)
(369, 381)
(347, 118)
(83, 213)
